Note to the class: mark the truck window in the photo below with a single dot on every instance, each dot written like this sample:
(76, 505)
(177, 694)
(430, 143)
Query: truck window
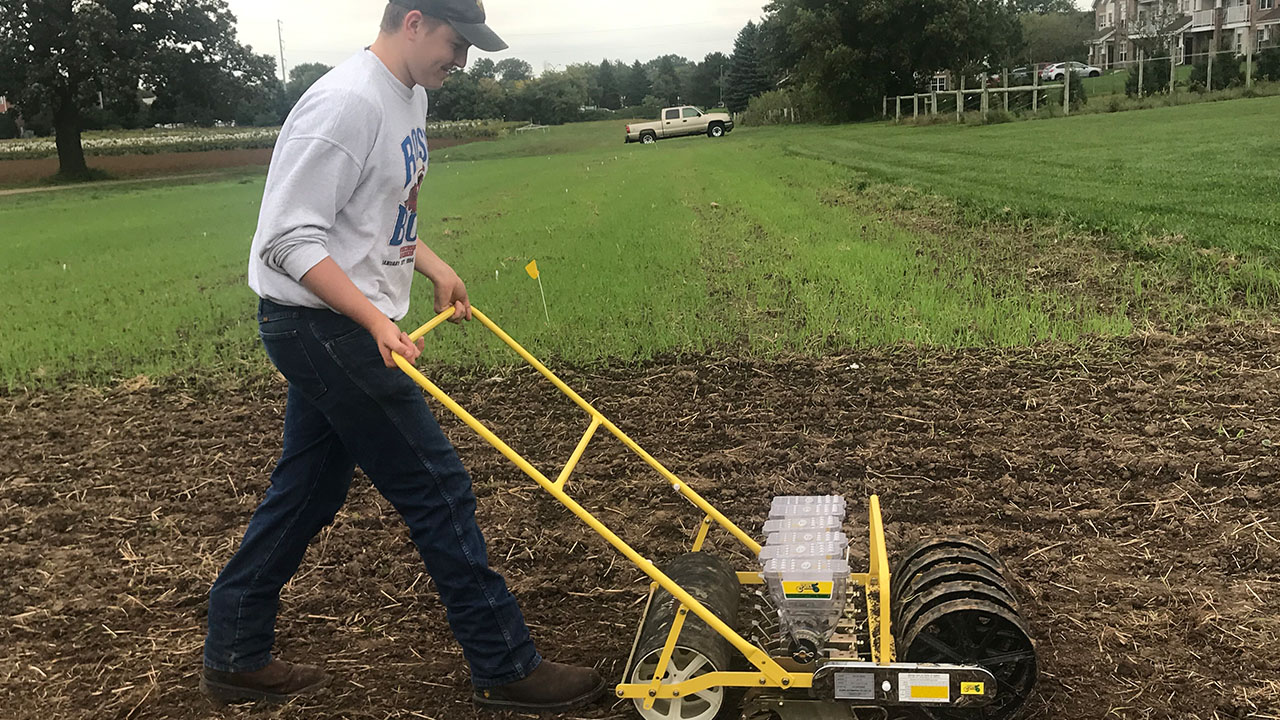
(692, 112)
(673, 114)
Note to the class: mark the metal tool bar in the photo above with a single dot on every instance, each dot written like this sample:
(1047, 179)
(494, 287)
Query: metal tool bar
(773, 673)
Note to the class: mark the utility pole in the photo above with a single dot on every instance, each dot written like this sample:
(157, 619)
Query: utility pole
(284, 69)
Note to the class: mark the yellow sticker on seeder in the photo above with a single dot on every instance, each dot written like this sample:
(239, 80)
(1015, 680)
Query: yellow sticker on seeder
(807, 590)
(972, 689)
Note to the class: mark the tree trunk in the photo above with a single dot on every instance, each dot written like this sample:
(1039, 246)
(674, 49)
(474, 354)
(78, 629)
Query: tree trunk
(66, 125)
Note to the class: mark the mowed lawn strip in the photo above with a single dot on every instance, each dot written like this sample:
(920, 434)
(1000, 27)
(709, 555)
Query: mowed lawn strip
(1165, 182)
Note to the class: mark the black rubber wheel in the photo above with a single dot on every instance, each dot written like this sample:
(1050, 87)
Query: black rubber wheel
(1095, 74)
(716, 130)
(976, 632)
(648, 138)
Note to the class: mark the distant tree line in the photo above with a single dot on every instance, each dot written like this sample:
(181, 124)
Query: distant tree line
(509, 89)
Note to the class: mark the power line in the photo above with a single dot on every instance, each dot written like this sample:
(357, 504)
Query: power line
(617, 29)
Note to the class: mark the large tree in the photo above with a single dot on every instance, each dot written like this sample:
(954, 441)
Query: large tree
(637, 85)
(703, 84)
(847, 54)
(747, 77)
(513, 70)
(607, 81)
(1056, 36)
(65, 56)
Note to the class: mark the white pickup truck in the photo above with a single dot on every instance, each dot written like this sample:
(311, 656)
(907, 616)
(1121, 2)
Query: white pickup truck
(680, 121)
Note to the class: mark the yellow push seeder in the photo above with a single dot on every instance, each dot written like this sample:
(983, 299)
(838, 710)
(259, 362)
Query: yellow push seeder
(799, 636)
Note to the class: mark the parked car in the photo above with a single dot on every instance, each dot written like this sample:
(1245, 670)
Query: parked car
(1017, 76)
(1058, 71)
(678, 122)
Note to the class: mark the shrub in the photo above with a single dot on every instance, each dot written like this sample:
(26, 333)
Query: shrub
(1268, 64)
(1155, 78)
(781, 107)
(1078, 95)
(1226, 72)
(8, 125)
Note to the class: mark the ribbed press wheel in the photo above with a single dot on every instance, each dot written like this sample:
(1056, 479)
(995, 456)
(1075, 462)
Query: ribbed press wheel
(975, 632)
(954, 603)
(927, 554)
(685, 664)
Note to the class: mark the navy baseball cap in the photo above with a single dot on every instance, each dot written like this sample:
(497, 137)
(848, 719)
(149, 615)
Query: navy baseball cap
(466, 16)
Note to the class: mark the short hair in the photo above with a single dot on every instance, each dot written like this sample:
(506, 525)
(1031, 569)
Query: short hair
(393, 19)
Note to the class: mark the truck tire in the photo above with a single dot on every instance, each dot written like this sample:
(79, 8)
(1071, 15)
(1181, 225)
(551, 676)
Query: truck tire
(715, 130)
(648, 138)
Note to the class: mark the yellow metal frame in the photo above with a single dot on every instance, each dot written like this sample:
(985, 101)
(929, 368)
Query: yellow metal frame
(769, 672)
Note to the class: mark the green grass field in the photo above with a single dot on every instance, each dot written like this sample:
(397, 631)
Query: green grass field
(1112, 81)
(768, 241)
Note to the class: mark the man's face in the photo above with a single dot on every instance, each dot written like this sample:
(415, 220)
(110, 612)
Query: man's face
(434, 51)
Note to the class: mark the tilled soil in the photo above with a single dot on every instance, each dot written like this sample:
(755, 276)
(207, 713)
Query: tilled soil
(1131, 485)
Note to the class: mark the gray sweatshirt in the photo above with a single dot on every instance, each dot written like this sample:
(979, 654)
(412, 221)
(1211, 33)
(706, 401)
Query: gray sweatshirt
(343, 183)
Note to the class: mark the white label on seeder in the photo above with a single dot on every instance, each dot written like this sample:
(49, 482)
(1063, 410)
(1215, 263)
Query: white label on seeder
(924, 687)
(855, 686)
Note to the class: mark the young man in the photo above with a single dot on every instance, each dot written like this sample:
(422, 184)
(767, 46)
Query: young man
(332, 260)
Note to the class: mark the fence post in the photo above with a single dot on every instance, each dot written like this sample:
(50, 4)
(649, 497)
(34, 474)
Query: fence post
(1211, 53)
(1248, 59)
(1173, 67)
(1005, 76)
(1141, 64)
(960, 98)
(986, 97)
(1035, 89)
(1066, 89)
(884, 111)
(915, 105)
(897, 108)
(933, 102)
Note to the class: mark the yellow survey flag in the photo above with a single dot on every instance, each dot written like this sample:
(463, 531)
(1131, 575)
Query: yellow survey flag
(532, 269)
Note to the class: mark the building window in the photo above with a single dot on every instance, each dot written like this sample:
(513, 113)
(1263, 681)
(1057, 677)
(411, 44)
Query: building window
(938, 83)
(1124, 53)
(1266, 4)
(1109, 20)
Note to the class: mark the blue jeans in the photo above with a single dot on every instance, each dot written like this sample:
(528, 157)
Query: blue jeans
(345, 407)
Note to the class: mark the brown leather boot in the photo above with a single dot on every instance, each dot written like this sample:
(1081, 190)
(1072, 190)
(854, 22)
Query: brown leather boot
(551, 687)
(276, 683)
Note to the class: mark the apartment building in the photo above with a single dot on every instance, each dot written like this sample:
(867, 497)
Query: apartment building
(1191, 26)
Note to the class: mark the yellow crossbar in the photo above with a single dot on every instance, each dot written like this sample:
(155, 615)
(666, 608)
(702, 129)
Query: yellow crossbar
(577, 453)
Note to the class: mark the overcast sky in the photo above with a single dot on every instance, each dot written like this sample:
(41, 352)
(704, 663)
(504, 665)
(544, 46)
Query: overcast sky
(543, 32)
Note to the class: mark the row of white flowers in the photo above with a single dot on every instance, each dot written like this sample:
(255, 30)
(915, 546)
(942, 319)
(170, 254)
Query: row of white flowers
(91, 142)
(194, 137)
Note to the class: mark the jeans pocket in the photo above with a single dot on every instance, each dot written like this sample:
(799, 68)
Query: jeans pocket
(357, 353)
(287, 352)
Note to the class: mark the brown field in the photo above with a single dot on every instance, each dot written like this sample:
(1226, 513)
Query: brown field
(1130, 484)
(21, 172)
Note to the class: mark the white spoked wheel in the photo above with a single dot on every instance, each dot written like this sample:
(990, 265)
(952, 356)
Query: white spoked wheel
(685, 664)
